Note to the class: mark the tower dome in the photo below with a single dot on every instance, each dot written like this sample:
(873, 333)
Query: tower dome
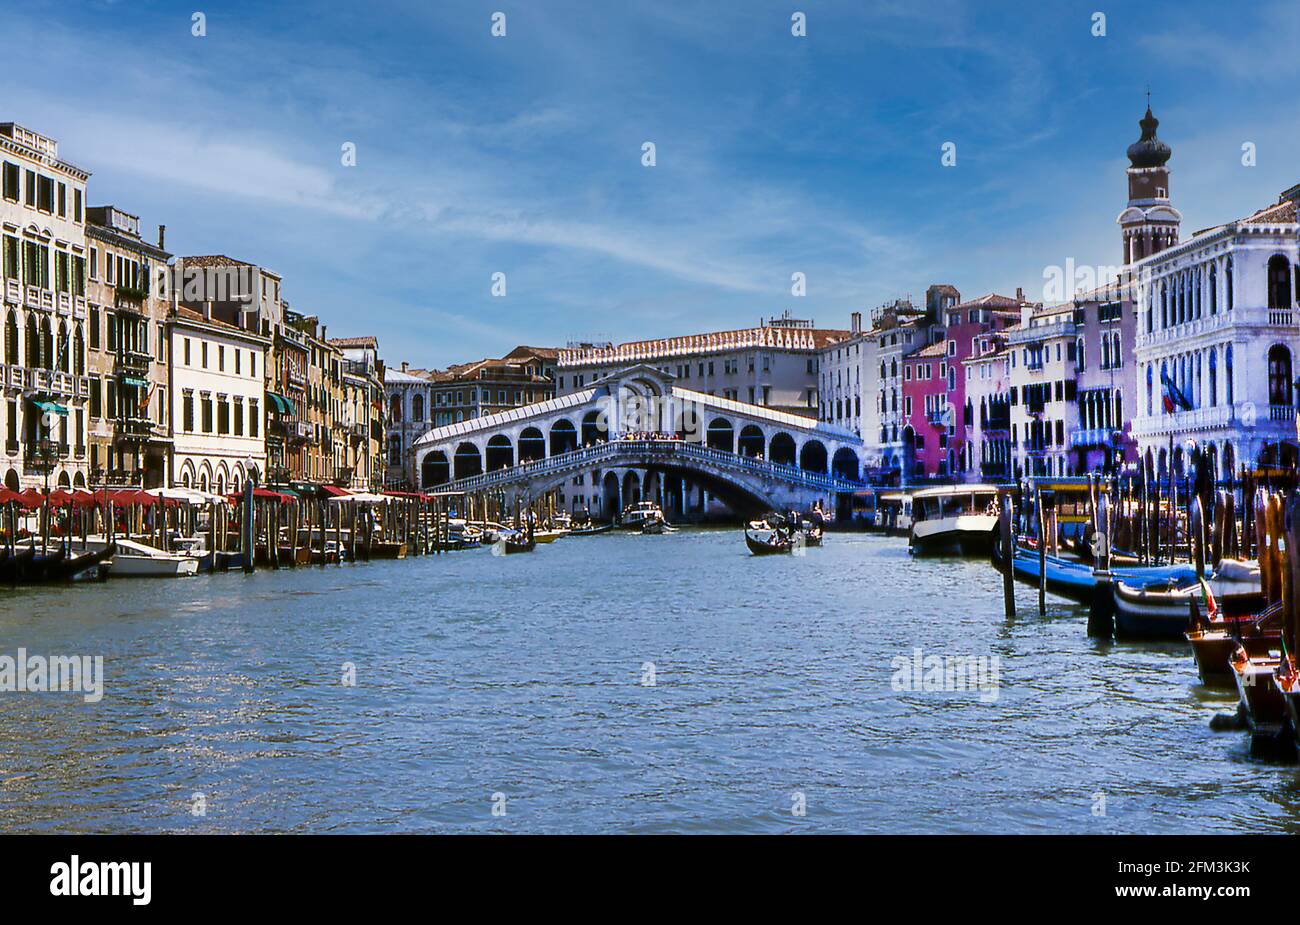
(1149, 151)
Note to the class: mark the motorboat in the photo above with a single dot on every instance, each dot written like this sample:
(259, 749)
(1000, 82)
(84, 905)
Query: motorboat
(132, 558)
(954, 520)
(634, 515)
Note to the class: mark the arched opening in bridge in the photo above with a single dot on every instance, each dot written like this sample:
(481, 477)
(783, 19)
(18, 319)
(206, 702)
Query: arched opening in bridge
(631, 489)
(500, 454)
(844, 464)
(564, 436)
(652, 488)
(610, 505)
(435, 470)
(781, 449)
(532, 445)
(467, 461)
(721, 435)
(751, 441)
(594, 428)
(674, 491)
(812, 457)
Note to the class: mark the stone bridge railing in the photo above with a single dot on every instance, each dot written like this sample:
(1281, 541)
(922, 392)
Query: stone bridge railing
(652, 452)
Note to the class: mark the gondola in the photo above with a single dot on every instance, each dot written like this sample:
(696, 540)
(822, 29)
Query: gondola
(1158, 608)
(13, 567)
(592, 530)
(812, 536)
(519, 542)
(1075, 580)
(42, 567)
(71, 568)
(776, 545)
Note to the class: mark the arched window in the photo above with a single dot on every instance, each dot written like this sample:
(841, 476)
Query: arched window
(1227, 281)
(1279, 283)
(1279, 376)
(1150, 393)
(11, 339)
(395, 409)
(1214, 377)
(1214, 290)
(417, 407)
(1228, 388)
(1080, 358)
(1164, 303)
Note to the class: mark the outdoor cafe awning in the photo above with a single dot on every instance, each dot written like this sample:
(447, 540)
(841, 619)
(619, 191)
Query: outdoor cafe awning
(50, 407)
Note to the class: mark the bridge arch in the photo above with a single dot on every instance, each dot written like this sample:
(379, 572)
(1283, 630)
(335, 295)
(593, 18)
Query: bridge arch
(564, 436)
(631, 488)
(610, 502)
(500, 453)
(751, 441)
(844, 464)
(594, 428)
(532, 445)
(435, 470)
(781, 449)
(721, 435)
(812, 456)
(467, 461)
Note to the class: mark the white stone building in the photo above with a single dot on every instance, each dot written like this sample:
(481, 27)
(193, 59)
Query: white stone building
(218, 398)
(1217, 318)
(43, 382)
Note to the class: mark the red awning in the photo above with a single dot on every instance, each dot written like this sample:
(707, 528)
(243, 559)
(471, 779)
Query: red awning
(334, 491)
(261, 494)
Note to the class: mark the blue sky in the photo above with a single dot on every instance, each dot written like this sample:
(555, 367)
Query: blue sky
(522, 154)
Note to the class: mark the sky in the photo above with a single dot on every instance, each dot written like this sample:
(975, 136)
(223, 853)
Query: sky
(522, 154)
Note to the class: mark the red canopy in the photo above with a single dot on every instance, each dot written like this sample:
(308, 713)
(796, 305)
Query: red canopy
(31, 498)
(334, 491)
(259, 493)
(8, 496)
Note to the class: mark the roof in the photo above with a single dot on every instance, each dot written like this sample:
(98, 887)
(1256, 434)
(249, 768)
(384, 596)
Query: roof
(767, 337)
(221, 260)
(934, 350)
(1277, 214)
(992, 300)
(189, 314)
(367, 341)
(522, 351)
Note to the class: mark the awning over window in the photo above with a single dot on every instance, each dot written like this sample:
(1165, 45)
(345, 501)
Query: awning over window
(279, 404)
(138, 383)
(51, 407)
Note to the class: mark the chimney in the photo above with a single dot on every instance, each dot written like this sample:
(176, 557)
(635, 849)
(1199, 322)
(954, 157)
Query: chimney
(855, 322)
(1026, 312)
(404, 365)
(162, 237)
(1020, 294)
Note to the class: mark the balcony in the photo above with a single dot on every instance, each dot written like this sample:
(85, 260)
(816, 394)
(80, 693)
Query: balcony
(298, 431)
(13, 292)
(83, 387)
(1281, 316)
(64, 304)
(359, 432)
(62, 384)
(38, 380)
(133, 429)
(39, 298)
(132, 362)
(12, 377)
(79, 307)
(1091, 436)
(1281, 412)
(11, 447)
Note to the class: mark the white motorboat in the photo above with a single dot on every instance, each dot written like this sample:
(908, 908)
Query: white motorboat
(135, 559)
(635, 515)
(954, 519)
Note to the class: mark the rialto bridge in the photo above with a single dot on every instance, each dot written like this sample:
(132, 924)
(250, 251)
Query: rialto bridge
(634, 436)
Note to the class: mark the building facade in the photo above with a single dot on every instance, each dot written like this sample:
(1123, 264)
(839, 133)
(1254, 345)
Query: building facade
(43, 377)
(773, 365)
(129, 313)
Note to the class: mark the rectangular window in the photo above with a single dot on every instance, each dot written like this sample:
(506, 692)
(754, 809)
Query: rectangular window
(30, 198)
(206, 402)
(96, 399)
(254, 419)
(162, 343)
(45, 193)
(252, 363)
(221, 357)
(12, 180)
(187, 351)
(79, 276)
(63, 200)
(237, 356)
(94, 329)
(187, 412)
(239, 416)
(223, 415)
(112, 330)
(76, 205)
(203, 354)
(10, 257)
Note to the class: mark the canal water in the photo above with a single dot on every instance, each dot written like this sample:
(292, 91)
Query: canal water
(614, 683)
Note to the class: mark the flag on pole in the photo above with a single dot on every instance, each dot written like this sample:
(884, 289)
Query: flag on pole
(1173, 398)
(1211, 605)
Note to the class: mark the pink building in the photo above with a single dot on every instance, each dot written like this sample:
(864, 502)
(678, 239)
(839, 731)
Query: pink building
(938, 419)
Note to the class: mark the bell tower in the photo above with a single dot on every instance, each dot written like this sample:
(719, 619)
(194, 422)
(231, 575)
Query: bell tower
(1150, 223)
